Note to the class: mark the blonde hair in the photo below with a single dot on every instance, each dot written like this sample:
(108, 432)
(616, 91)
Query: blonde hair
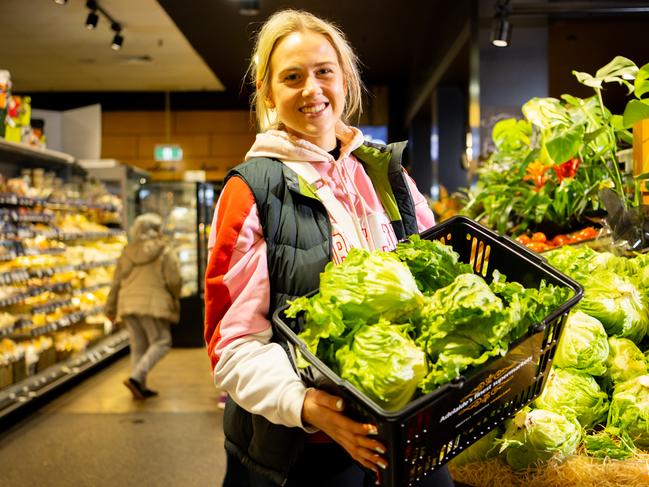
(276, 28)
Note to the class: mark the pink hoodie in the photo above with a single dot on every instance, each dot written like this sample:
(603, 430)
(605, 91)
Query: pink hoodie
(255, 372)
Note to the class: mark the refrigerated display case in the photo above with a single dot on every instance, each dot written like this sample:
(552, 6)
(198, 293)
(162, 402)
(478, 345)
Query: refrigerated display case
(186, 209)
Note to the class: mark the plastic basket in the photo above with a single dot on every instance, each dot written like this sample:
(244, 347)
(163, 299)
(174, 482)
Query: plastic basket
(435, 427)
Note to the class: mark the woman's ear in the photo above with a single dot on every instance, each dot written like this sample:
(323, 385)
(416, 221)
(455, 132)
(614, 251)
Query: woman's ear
(268, 101)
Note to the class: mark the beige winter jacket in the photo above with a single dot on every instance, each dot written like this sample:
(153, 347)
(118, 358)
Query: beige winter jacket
(147, 281)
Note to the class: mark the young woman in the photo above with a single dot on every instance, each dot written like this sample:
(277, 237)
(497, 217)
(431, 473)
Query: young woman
(310, 189)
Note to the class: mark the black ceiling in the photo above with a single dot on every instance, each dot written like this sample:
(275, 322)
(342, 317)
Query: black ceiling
(391, 37)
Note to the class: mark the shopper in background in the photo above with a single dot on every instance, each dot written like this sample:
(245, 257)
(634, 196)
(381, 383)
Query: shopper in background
(303, 197)
(145, 297)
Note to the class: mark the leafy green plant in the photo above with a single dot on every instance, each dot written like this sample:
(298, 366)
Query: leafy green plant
(548, 169)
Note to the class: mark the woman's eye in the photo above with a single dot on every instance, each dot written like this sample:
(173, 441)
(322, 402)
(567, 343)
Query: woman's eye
(325, 71)
(291, 77)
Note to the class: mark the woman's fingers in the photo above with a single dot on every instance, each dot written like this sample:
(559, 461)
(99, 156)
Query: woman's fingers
(327, 400)
(324, 411)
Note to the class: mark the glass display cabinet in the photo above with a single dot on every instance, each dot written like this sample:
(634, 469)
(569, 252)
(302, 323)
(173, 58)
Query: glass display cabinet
(186, 209)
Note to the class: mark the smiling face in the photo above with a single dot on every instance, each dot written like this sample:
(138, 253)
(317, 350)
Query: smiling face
(307, 88)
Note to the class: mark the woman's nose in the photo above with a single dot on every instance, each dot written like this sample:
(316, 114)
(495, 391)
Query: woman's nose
(311, 87)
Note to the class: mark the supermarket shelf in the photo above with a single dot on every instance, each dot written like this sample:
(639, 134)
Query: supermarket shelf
(12, 152)
(36, 387)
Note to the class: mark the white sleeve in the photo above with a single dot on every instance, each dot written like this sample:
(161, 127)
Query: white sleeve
(259, 377)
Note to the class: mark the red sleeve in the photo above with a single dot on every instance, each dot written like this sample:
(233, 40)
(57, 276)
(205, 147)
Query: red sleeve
(234, 205)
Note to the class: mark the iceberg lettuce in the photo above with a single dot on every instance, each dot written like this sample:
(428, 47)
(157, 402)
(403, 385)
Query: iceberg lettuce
(384, 363)
(583, 346)
(575, 395)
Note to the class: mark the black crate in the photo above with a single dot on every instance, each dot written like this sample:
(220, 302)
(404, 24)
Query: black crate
(434, 428)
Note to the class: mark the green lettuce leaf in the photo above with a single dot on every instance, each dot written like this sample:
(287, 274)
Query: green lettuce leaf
(583, 346)
(534, 436)
(369, 285)
(384, 363)
(433, 264)
(617, 303)
(625, 361)
(575, 395)
(629, 409)
(609, 443)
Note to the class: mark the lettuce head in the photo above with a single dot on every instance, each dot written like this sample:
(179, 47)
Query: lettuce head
(369, 285)
(384, 363)
(617, 303)
(625, 360)
(629, 409)
(466, 307)
(575, 395)
(433, 264)
(534, 436)
(583, 345)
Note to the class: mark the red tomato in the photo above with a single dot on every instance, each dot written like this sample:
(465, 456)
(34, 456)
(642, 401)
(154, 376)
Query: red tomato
(538, 246)
(539, 237)
(561, 240)
(587, 233)
(524, 239)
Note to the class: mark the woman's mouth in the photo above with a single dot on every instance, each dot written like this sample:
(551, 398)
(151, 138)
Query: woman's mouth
(314, 109)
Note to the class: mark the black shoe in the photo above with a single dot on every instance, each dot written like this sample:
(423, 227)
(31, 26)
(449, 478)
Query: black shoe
(136, 388)
(149, 393)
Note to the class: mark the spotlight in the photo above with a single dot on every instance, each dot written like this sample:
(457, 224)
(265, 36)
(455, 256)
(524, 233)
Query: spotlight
(61, 2)
(118, 39)
(93, 18)
(501, 29)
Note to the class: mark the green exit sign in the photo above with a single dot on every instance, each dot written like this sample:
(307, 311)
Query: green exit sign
(167, 152)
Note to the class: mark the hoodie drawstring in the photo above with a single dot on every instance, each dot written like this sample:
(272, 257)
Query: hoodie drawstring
(368, 240)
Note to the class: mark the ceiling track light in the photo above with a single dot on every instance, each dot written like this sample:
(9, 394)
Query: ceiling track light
(501, 29)
(60, 2)
(93, 18)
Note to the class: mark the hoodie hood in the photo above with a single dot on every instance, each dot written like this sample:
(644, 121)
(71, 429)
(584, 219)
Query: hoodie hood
(144, 251)
(286, 147)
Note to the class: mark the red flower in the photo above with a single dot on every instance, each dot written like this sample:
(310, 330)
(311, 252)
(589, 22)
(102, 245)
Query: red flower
(568, 169)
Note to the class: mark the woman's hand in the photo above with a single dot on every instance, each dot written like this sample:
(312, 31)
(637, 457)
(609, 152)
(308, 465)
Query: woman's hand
(324, 411)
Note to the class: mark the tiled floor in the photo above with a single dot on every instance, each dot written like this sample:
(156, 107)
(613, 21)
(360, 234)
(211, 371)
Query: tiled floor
(96, 435)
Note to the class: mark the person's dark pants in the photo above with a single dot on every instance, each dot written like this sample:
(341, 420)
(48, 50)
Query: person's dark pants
(321, 465)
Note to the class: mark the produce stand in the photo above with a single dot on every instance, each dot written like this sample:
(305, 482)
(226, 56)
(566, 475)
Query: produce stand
(552, 174)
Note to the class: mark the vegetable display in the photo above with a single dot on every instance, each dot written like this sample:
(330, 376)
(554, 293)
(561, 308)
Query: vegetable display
(552, 172)
(600, 376)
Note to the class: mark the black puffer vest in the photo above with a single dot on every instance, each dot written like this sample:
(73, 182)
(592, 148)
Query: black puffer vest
(295, 260)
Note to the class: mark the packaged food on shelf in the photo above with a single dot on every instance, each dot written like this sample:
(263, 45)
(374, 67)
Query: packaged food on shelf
(60, 242)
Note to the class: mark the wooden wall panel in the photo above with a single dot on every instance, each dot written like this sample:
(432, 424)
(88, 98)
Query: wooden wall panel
(222, 122)
(132, 123)
(231, 145)
(119, 146)
(213, 141)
